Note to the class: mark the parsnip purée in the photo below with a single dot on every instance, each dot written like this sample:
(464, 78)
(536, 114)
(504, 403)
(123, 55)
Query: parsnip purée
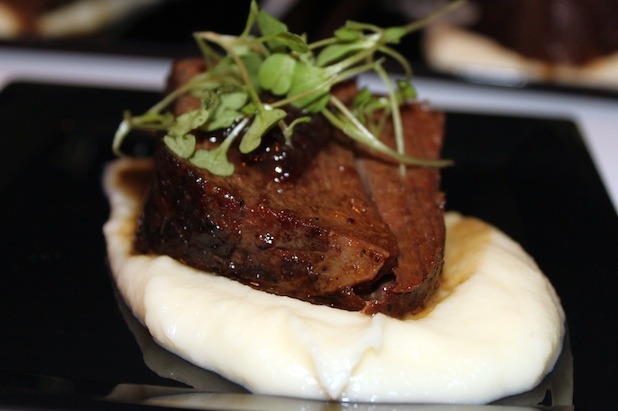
(495, 327)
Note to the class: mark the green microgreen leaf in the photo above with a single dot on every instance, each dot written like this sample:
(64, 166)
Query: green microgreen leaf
(347, 34)
(293, 41)
(276, 73)
(310, 87)
(362, 27)
(362, 97)
(366, 101)
(216, 160)
(393, 35)
(189, 121)
(249, 110)
(276, 34)
(269, 25)
(336, 52)
(253, 62)
(365, 105)
(183, 146)
(405, 90)
(241, 50)
(234, 100)
(263, 122)
(226, 111)
(288, 130)
(223, 118)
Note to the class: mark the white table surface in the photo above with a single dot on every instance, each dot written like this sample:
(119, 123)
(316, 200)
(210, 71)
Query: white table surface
(597, 118)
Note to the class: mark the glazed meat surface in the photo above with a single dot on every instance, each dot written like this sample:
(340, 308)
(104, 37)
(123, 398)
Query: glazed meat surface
(319, 221)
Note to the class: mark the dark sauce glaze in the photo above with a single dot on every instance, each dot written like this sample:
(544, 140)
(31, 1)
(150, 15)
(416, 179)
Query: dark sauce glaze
(278, 160)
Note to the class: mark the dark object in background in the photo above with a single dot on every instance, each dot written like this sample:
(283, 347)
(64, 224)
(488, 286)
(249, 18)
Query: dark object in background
(168, 29)
(558, 31)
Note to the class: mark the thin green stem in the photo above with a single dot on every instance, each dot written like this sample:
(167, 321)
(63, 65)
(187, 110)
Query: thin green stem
(399, 58)
(211, 57)
(372, 42)
(253, 13)
(169, 99)
(323, 43)
(395, 114)
(246, 79)
(424, 21)
(355, 71)
(357, 131)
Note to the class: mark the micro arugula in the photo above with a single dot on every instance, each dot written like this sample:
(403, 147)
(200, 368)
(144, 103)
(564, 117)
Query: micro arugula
(298, 73)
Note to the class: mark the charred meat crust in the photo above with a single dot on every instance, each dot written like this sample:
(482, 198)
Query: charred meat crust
(341, 229)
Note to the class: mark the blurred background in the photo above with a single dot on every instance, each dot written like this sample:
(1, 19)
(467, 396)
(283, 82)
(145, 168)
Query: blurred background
(573, 43)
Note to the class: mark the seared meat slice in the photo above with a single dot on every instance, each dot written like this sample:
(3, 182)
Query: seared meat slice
(318, 222)
(314, 237)
(413, 207)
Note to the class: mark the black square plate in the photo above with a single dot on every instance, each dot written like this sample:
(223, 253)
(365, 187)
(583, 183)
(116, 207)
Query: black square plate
(531, 177)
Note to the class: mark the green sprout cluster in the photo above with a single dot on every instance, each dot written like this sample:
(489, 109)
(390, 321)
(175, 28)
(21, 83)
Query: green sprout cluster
(275, 61)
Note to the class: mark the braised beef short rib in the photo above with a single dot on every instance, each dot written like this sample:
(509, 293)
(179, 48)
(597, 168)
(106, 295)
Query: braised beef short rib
(319, 221)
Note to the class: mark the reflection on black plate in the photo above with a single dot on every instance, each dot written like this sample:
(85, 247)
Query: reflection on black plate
(533, 178)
